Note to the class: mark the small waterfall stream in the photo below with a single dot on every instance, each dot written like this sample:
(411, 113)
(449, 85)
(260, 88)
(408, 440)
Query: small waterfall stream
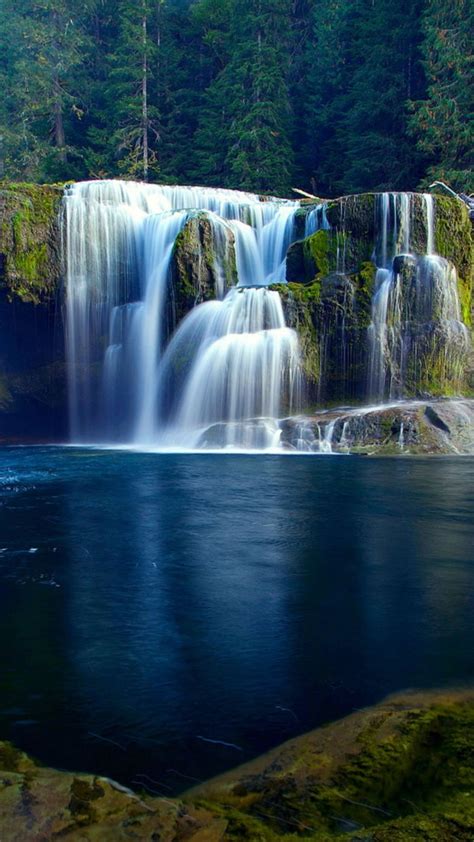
(243, 367)
(411, 290)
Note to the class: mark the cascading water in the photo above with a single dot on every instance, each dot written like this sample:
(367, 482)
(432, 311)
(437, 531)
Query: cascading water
(411, 292)
(243, 364)
(316, 220)
(150, 364)
(119, 242)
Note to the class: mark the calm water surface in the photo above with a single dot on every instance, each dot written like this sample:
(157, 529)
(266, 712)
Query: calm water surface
(153, 607)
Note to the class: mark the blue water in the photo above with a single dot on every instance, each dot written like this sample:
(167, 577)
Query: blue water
(151, 604)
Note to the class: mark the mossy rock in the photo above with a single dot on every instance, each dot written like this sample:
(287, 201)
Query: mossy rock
(30, 260)
(301, 307)
(454, 240)
(313, 257)
(401, 770)
(404, 767)
(203, 264)
(354, 214)
(363, 281)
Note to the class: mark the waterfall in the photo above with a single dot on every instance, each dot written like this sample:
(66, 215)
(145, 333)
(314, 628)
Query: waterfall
(415, 306)
(119, 241)
(174, 339)
(243, 367)
(429, 207)
(316, 220)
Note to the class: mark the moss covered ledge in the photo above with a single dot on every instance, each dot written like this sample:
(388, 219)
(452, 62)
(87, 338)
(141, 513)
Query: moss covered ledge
(30, 262)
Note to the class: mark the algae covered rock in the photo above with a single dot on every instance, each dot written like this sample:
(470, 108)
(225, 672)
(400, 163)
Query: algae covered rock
(454, 240)
(30, 260)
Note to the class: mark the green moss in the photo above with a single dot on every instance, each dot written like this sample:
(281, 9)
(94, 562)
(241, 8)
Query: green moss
(403, 770)
(353, 214)
(197, 261)
(465, 301)
(436, 363)
(453, 235)
(29, 240)
(364, 282)
(407, 769)
(301, 305)
(320, 251)
(454, 240)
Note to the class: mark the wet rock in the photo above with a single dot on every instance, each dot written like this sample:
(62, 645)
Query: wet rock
(446, 426)
(401, 770)
(30, 259)
(203, 263)
(434, 419)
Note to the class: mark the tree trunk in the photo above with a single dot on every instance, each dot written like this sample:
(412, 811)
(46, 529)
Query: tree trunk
(145, 95)
(58, 129)
(59, 135)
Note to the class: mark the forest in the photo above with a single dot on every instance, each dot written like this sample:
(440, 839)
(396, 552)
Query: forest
(333, 97)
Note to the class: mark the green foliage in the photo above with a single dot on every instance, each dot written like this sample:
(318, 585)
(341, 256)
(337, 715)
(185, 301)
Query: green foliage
(443, 119)
(41, 74)
(334, 97)
(243, 136)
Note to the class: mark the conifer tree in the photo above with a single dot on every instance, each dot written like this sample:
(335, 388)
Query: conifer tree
(443, 121)
(126, 139)
(247, 117)
(42, 89)
(385, 73)
(327, 76)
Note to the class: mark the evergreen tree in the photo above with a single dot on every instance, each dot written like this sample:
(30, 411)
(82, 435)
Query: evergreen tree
(42, 86)
(246, 122)
(341, 95)
(443, 122)
(384, 74)
(125, 139)
(327, 76)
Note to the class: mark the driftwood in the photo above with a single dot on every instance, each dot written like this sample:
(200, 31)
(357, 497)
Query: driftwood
(463, 197)
(306, 195)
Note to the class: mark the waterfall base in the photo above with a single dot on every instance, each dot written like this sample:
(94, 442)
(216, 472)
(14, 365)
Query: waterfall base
(417, 428)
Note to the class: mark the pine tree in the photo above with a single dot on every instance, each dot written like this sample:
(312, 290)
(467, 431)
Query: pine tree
(443, 122)
(41, 63)
(377, 151)
(246, 122)
(125, 132)
(212, 19)
(327, 79)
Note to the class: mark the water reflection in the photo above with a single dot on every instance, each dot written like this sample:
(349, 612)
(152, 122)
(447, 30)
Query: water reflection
(233, 599)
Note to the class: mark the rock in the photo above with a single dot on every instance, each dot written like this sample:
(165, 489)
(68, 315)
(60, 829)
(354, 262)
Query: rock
(30, 260)
(33, 377)
(401, 770)
(446, 426)
(405, 265)
(297, 272)
(203, 264)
